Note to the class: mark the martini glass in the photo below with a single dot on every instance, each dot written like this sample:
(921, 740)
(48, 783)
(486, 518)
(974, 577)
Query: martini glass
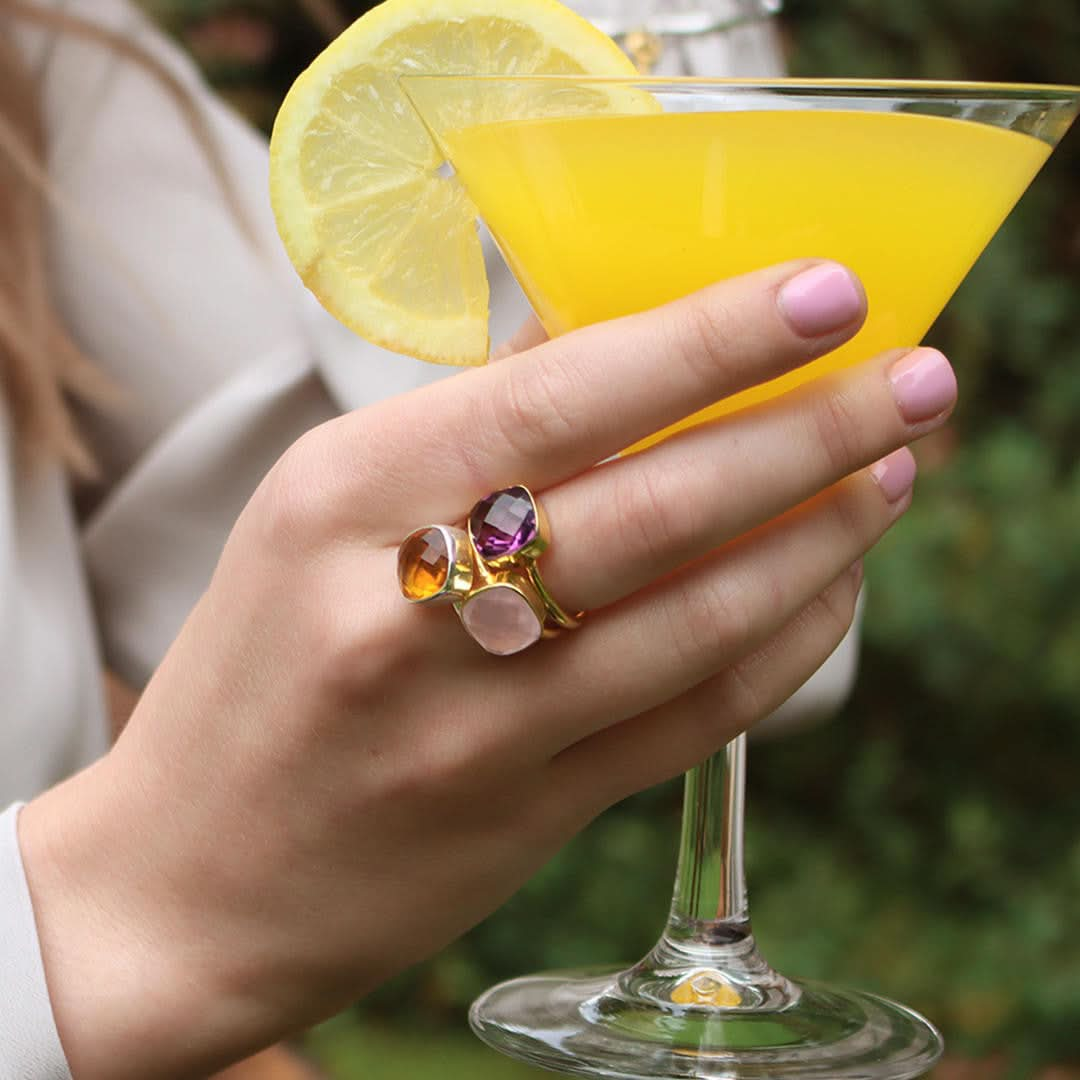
(612, 196)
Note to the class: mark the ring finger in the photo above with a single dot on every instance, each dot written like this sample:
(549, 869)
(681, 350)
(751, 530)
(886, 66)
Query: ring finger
(660, 642)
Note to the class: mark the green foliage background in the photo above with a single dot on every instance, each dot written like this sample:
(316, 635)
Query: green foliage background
(927, 842)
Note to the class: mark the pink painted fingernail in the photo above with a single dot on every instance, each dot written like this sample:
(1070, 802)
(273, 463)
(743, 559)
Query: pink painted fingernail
(924, 385)
(821, 299)
(895, 474)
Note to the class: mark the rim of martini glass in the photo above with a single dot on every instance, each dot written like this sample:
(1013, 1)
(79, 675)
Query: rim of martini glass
(915, 88)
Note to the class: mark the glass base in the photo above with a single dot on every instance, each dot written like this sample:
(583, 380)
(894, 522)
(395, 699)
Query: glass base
(586, 1024)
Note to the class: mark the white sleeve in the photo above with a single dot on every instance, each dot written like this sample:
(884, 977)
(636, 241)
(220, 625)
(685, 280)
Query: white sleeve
(29, 1044)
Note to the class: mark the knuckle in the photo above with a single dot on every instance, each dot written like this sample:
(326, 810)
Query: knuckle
(390, 775)
(837, 604)
(439, 763)
(725, 617)
(466, 458)
(742, 702)
(707, 621)
(455, 760)
(291, 505)
(533, 405)
(850, 519)
(772, 603)
(655, 515)
(362, 655)
(708, 339)
(558, 819)
(837, 429)
(356, 659)
(719, 710)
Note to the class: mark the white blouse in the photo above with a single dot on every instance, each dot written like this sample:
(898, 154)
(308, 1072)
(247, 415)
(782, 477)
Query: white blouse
(224, 359)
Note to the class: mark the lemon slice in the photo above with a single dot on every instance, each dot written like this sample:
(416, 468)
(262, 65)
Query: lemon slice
(386, 242)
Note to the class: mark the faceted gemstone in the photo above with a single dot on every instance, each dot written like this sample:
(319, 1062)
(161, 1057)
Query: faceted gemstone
(423, 564)
(503, 523)
(500, 619)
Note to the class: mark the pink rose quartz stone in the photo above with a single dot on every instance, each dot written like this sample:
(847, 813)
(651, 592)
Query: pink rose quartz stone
(500, 620)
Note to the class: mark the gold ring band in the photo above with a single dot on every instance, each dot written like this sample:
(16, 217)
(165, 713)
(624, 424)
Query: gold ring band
(562, 619)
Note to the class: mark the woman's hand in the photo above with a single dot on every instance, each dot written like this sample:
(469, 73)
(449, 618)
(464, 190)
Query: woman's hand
(323, 784)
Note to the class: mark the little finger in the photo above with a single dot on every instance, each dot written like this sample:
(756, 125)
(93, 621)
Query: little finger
(666, 741)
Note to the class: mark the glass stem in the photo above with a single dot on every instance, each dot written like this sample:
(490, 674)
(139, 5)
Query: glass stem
(710, 884)
(707, 956)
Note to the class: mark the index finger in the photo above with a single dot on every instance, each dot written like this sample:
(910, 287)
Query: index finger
(545, 415)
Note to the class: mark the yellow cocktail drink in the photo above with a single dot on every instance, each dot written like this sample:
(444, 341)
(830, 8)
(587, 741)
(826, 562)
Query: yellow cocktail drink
(604, 215)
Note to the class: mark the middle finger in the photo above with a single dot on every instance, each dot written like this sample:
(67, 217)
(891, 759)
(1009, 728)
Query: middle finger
(619, 527)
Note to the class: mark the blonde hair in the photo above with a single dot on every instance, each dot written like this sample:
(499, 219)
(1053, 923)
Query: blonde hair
(41, 368)
(43, 372)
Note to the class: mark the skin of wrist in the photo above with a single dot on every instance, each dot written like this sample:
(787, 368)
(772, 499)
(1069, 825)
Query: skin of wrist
(137, 988)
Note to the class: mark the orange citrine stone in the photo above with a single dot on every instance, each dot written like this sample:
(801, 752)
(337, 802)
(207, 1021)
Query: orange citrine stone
(423, 564)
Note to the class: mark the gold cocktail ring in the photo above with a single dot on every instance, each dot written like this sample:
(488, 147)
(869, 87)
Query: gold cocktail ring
(490, 572)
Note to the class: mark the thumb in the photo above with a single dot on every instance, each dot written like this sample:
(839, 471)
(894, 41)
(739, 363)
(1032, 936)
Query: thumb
(527, 336)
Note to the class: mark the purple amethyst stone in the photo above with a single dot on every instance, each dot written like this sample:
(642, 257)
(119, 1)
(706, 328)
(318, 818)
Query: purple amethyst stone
(503, 523)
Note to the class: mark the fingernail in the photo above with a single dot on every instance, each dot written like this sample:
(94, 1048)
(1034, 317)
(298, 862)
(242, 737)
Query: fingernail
(924, 385)
(895, 474)
(820, 300)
